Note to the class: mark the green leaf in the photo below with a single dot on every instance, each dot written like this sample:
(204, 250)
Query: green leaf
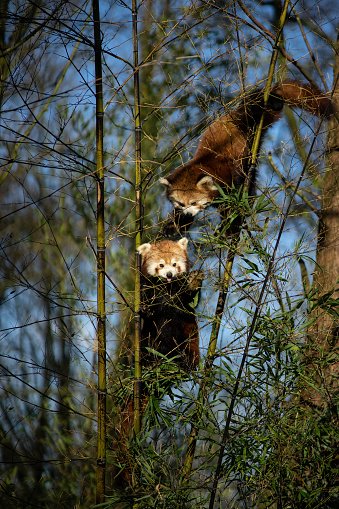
(195, 301)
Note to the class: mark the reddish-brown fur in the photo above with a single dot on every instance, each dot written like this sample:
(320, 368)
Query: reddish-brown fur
(224, 150)
(124, 473)
(165, 250)
(169, 326)
(193, 352)
(169, 322)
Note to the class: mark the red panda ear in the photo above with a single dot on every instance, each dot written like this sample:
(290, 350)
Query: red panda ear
(144, 248)
(164, 182)
(183, 243)
(206, 181)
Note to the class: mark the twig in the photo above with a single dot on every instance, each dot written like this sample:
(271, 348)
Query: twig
(255, 148)
(253, 325)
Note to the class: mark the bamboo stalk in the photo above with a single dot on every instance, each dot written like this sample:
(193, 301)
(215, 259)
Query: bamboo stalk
(138, 222)
(255, 148)
(192, 441)
(254, 321)
(101, 312)
(257, 136)
(187, 467)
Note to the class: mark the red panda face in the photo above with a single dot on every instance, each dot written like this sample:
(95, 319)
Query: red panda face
(166, 259)
(191, 199)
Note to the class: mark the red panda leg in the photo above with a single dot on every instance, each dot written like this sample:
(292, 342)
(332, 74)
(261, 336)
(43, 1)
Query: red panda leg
(177, 224)
(191, 347)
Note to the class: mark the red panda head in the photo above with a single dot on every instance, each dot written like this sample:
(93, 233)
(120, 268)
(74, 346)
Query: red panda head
(189, 192)
(165, 259)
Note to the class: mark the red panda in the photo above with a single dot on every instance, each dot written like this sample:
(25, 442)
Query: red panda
(169, 296)
(224, 151)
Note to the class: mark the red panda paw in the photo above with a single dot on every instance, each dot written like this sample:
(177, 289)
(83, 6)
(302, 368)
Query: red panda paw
(171, 229)
(177, 224)
(195, 279)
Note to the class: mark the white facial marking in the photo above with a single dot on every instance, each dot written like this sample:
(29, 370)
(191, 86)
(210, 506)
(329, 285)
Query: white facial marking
(168, 270)
(205, 202)
(193, 210)
(194, 206)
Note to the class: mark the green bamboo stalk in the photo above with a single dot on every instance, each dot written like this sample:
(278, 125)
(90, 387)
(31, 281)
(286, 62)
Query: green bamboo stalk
(255, 148)
(254, 321)
(138, 222)
(278, 40)
(188, 462)
(192, 441)
(101, 312)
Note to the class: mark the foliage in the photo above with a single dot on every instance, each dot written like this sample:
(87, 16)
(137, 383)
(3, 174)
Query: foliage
(196, 59)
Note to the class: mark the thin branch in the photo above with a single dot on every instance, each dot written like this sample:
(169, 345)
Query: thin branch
(292, 186)
(256, 315)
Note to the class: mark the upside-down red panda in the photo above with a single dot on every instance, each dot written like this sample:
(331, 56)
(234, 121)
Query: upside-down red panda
(170, 294)
(224, 151)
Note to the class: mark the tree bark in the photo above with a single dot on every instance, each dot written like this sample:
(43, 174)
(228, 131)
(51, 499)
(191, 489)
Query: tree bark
(324, 332)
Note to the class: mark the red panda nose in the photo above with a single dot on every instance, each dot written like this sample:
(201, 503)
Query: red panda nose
(169, 275)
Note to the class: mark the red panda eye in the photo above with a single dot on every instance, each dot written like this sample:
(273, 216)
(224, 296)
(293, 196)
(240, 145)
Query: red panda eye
(193, 203)
(161, 265)
(174, 264)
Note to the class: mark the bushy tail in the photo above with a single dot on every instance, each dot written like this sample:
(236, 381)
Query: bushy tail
(305, 96)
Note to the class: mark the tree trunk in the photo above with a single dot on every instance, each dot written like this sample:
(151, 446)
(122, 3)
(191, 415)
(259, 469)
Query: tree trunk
(323, 334)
